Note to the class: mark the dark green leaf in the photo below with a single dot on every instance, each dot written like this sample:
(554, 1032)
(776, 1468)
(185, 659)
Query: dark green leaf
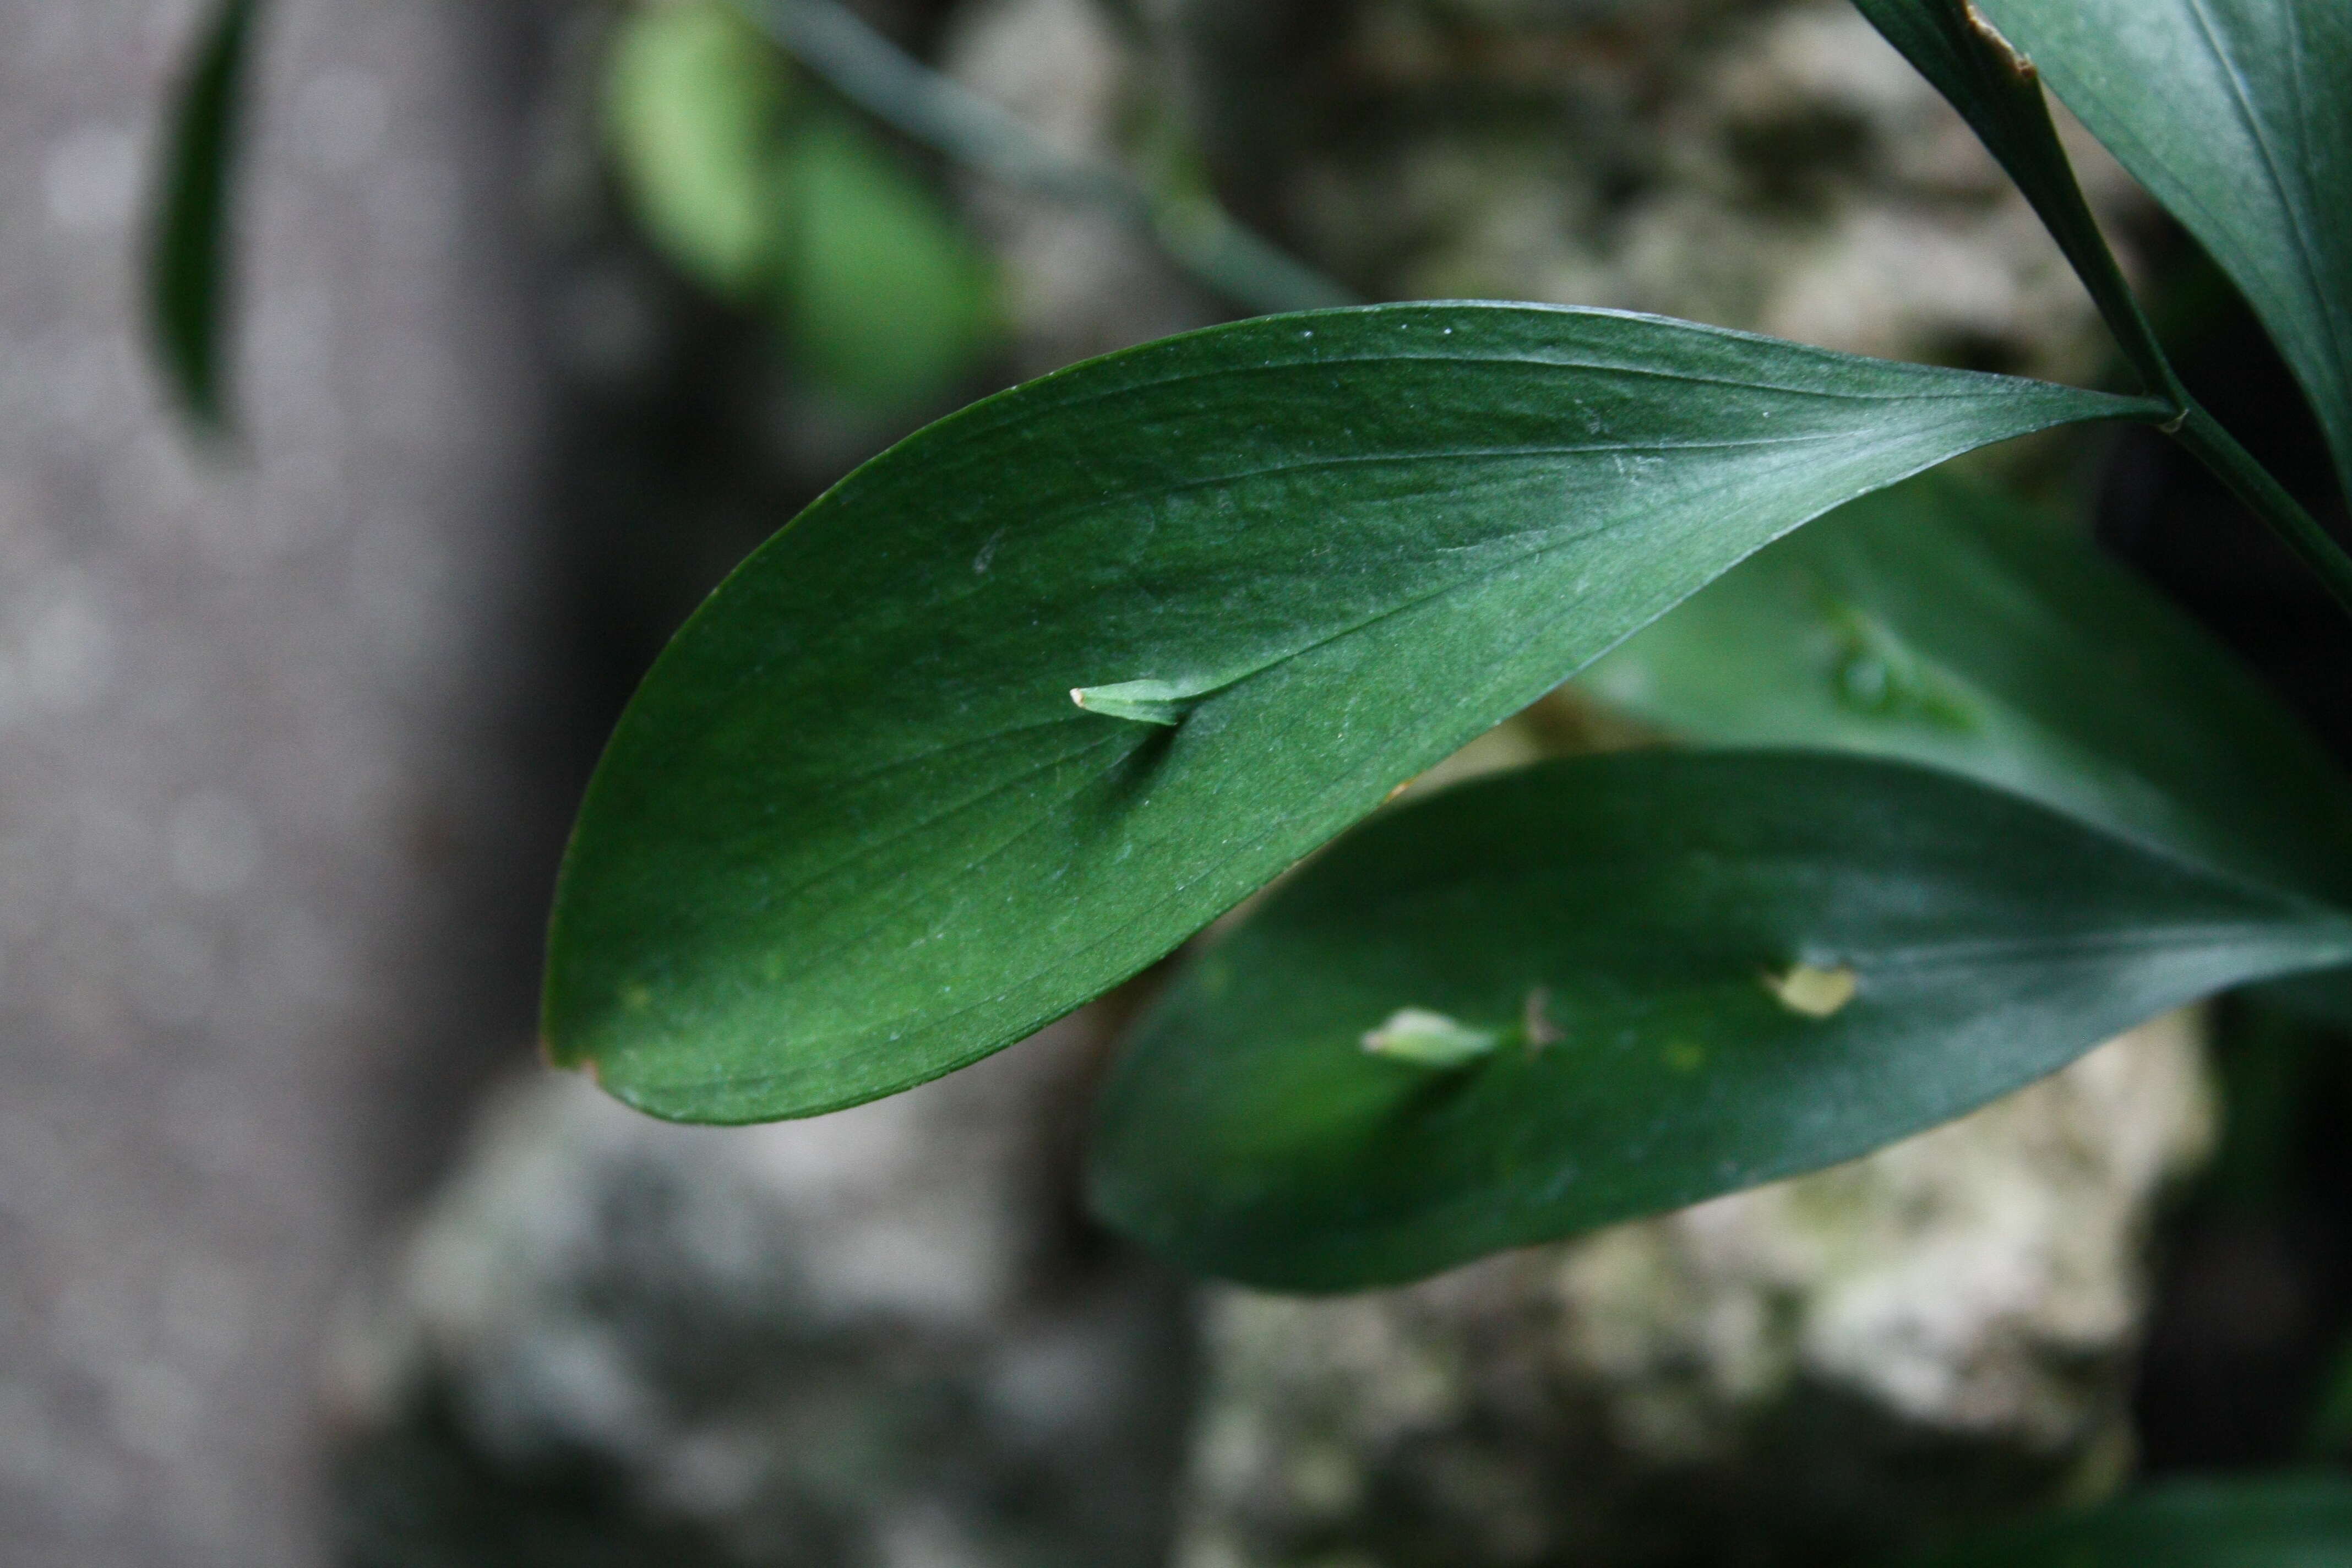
(2235, 114)
(188, 277)
(1945, 624)
(1707, 970)
(695, 105)
(2288, 1521)
(853, 833)
(1998, 91)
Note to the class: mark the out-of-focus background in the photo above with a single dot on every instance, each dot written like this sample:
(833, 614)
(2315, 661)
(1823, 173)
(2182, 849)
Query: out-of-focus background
(547, 311)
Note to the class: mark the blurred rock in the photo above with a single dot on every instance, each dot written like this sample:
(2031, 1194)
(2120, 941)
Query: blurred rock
(1768, 164)
(1807, 1373)
(879, 1339)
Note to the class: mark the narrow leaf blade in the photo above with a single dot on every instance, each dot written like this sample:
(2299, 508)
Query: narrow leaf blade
(1945, 624)
(1718, 968)
(853, 833)
(2283, 1521)
(2233, 113)
(188, 269)
(1999, 92)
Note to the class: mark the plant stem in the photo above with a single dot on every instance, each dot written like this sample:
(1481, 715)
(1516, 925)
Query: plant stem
(2252, 484)
(901, 91)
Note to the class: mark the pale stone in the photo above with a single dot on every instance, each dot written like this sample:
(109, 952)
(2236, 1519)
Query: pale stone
(875, 1337)
(1800, 1374)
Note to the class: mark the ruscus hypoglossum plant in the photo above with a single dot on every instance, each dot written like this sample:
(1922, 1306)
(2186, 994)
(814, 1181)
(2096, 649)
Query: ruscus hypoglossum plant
(1026, 702)
(1022, 705)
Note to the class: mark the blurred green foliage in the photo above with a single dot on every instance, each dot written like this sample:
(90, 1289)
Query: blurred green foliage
(188, 267)
(757, 185)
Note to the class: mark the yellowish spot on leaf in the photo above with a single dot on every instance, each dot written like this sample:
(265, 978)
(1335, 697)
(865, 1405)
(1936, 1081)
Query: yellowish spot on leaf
(1685, 1056)
(1815, 992)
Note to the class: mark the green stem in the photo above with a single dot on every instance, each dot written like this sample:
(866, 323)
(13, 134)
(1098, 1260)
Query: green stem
(2252, 484)
(901, 91)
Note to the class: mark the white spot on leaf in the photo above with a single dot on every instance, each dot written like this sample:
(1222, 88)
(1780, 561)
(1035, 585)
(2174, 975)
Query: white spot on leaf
(1424, 1039)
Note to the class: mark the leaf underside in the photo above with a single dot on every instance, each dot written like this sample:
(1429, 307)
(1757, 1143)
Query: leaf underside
(1708, 970)
(853, 832)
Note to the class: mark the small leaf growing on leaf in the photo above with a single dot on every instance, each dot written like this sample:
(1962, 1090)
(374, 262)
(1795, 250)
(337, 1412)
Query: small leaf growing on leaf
(1428, 1039)
(1144, 701)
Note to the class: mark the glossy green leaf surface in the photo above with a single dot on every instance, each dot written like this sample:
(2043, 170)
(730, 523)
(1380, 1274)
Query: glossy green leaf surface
(854, 832)
(1944, 622)
(1999, 92)
(1707, 970)
(188, 270)
(2289, 1521)
(2234, 114)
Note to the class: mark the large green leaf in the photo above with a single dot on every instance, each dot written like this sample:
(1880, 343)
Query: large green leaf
(853, 833)
(2289, 1521)
(1694, 972)
(188, 270)
(2237, 115)
(1944, 622)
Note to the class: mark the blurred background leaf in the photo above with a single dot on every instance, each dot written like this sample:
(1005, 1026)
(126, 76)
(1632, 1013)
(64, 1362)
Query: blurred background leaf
(1948, 623)
(189, 267)
(772, 196)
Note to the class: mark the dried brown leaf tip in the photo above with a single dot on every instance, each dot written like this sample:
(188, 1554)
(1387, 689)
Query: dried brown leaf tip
(2021, 67)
